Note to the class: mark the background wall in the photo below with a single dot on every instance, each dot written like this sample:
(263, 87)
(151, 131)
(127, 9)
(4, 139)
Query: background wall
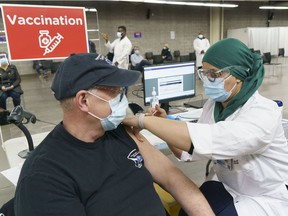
(155, 22)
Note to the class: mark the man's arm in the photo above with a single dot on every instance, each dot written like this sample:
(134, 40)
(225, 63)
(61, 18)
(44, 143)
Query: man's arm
(166, 174)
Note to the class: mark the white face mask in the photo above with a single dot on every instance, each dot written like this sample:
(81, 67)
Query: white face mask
(200, 36)
(137, 52)
(4, 62)
(118, 108)
(118, 34)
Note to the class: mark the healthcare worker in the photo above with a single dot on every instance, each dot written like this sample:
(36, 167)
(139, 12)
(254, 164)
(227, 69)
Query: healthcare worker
(200, 45)
(240, 130)
(121, 47)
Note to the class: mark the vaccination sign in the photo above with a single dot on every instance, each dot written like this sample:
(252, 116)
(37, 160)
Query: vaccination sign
(44, 32)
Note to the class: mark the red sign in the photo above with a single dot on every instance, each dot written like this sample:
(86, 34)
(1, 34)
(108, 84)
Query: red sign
(44, 32)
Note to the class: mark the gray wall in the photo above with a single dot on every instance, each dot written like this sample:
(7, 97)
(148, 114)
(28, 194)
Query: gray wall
(185, 21)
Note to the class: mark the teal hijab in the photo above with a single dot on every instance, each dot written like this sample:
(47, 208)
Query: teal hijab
(232, 52)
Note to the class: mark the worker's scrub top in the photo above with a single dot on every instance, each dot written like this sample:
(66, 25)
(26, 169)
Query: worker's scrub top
(122, 49)
(250, 155)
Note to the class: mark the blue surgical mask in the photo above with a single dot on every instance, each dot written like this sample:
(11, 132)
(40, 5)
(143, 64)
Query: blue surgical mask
(118, 108)
(215, 90)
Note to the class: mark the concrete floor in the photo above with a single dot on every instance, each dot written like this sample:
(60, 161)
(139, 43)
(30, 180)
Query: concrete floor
(38, 99)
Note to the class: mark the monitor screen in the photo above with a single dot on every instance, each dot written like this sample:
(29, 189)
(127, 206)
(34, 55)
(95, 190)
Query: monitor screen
(172, 81)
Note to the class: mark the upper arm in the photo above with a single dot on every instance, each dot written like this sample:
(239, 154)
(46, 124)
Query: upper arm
(155, 161)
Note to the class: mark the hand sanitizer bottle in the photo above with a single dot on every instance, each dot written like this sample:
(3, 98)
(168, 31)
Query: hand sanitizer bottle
(154, 100)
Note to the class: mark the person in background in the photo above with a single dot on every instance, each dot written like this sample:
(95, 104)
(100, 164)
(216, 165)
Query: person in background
(90, 164)
(240, 130)
(200, 45)
(121, 47)
(9, 83)
(137, 60)
(165, 53)
(92, 46)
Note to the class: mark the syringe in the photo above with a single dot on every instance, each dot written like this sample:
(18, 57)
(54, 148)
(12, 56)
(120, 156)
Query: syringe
(53, 43)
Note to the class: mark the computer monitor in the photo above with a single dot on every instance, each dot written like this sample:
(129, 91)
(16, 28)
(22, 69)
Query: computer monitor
(171, 81)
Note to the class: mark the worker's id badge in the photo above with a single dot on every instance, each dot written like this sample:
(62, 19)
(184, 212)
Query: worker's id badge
(227, 164)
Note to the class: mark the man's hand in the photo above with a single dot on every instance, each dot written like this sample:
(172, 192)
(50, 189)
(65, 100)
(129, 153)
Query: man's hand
(105, 36)
(116, 64)
(3, 88)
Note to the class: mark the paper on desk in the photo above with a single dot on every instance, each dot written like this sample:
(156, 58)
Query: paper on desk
(12, 174)
(191, 114)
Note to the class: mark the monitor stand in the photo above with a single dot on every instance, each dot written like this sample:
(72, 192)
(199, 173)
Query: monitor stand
(196, 104)
(165, 106)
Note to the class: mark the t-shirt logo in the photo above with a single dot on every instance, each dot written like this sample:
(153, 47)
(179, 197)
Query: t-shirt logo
(135, 156)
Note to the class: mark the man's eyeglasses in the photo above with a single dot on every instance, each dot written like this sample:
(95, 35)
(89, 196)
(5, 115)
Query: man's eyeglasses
(113, 91)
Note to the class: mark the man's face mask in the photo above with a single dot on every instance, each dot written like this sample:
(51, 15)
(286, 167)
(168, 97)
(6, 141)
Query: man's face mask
(200, 36)
(118, 106)
(119, 34)
(4, 62)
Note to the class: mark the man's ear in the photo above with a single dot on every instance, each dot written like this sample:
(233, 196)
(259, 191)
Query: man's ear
(82, 100)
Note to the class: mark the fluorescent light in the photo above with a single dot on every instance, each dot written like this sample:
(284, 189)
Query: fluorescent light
(90, 9)
(274, 7)
(183, 3)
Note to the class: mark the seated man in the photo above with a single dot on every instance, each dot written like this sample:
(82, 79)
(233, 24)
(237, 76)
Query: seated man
(9, 83)
(137, 60)
(90, 164)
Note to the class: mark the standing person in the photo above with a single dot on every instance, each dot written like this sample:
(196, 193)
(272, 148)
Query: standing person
(240, 130)
(121, 47)
(165, 53)
(90, 164)
(9, 83)
(200, 45)
(137, 60)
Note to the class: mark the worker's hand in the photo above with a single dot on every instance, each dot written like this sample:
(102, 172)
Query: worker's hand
(105, 36)
(157, 111)
(116, 64)
(3, 88)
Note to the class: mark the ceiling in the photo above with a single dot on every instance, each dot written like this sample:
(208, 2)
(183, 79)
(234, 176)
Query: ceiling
(90, 3)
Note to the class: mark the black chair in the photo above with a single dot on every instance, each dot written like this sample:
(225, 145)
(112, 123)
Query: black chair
(267, 61)
(149, 57)
(176, 55)
(55, 66)
(184, 58)
(281, 52)
(157, 59)
(192, 56)
(266, 58)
